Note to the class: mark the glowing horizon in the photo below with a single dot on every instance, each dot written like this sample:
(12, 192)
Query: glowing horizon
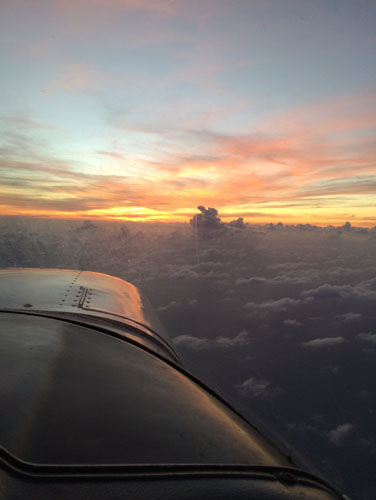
(140, 215)
(143, 110)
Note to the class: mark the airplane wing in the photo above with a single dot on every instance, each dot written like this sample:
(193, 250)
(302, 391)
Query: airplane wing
(95, 404)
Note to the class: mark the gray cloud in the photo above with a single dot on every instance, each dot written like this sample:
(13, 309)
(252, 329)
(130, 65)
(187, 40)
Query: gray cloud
(292, 265)
(368, 285)
(324, 342)
(328, 291)
(360, 184)
(350, 316)
(206, 222)
(337, 435)
(278, 305)
(297, 276)
(254, 280)
(253, 387)
(240, 339)
(368, 336)
(198, 344)
(210, 254)
(238, 223)
(291, 277)
(183, 272)
(292, 322)
(87, 225)
(363, 290)
(191, 342)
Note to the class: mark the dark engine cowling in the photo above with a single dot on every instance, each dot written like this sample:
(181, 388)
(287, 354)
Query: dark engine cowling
(96, 404)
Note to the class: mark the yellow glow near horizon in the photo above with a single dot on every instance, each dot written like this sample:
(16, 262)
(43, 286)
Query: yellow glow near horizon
(264, 215)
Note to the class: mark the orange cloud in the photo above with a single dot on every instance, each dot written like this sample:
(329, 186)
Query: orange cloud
(293, 172)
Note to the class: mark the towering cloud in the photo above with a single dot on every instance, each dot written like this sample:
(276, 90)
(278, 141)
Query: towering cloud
(206, 222)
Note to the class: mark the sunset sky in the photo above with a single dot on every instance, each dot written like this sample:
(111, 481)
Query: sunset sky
(144, 109)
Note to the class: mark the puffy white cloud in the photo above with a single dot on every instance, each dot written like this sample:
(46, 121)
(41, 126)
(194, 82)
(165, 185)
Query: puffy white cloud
(291, 277)
(278, 305)
(368, 336)
(296, 276)
(337, 435)
(182, 273)
(327, 291)
(369, 285)
(198, 344)
(253, 387)
(241, 338)
(350, 316)
(191, 342)
(324, 342)
(363, 290)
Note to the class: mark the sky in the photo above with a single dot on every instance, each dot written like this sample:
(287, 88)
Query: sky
(143, 110)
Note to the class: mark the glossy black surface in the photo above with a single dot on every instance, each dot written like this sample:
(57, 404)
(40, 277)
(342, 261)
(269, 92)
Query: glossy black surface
(72, 395)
